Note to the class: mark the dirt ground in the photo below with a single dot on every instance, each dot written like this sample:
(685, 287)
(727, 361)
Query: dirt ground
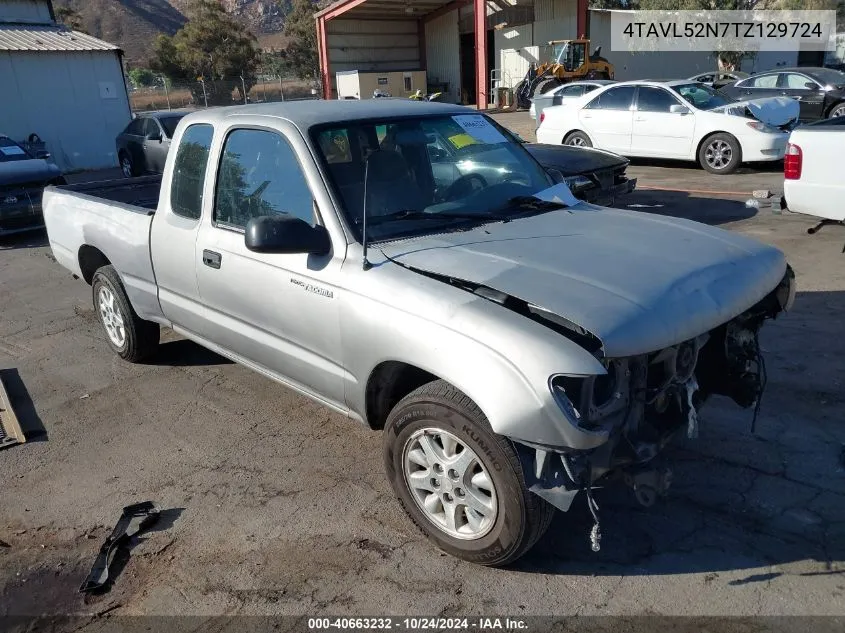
(274, 505)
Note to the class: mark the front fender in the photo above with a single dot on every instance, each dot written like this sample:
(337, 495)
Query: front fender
(497, 357)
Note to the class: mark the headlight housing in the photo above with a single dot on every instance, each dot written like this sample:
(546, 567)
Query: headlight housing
(576, 183)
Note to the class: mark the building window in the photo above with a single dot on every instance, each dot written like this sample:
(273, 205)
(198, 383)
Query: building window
(408, 85)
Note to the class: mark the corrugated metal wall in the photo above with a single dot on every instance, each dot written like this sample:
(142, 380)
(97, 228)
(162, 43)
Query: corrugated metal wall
(76, 102)
(442, 53)
(373, 45)
(35, 11)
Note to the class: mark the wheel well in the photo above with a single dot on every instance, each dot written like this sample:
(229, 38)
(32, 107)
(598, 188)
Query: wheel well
(389, 382)
(704, 138)
(571, 132)
(833, 106)
(90, 259)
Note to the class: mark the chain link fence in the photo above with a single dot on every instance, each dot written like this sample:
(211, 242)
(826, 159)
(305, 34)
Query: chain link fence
(207, 93)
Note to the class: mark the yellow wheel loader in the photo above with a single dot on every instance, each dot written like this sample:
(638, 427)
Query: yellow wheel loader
(570, 63)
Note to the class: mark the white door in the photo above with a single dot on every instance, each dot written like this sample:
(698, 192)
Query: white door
(657, 131)
(607, 119)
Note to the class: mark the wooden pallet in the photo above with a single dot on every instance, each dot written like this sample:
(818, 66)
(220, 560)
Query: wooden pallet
(10, 429)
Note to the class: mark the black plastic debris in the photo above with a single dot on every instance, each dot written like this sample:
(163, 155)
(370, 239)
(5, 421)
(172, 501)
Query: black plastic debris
(135, 519)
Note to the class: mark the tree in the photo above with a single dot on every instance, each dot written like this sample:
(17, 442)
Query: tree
(274, 63)
(212, 50)
(300, 27)
(142, 77)
(68, 17)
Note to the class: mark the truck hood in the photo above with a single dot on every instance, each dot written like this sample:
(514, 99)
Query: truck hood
(638, 282)
(21, 171)
(774, 111)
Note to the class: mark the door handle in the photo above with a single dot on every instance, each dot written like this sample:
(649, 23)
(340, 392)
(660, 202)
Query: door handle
(211, 259)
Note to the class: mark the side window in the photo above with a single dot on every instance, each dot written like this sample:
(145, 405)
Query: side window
(590, 88)
(570, 91)
(335, 146)
(136, 127)
(189, 171)
(260, 175)
(151, 128)
(703, 78)
(763, 81)
(654, 100)
(614, 99)
(794, 81)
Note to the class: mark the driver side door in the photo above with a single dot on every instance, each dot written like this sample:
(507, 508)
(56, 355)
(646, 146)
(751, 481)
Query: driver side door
(608, 119)
(277, 312)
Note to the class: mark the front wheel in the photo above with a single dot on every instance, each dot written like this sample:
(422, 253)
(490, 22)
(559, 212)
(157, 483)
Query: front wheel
(720, 154)
(837, 110)
(126, 166)
(459, 482)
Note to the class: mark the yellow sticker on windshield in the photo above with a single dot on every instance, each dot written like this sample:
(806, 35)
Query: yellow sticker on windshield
(462, 140)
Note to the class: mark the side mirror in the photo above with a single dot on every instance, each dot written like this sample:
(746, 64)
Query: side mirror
(811, 85)
(285, 234)
(556, 175)
(677, 108)
(43, 154)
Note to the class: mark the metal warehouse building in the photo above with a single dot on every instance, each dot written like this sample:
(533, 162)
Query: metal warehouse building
(458, 43)
(66, 87)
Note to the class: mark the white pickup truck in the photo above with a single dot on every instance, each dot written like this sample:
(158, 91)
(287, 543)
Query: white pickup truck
(813, 177)
(517, 346)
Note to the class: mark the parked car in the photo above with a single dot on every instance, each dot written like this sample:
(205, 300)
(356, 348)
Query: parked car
(720, 78)
(23, 176)
(813, 176)
(819, 91)
(676, 119)
(593, 175)
(517, 346)
(557, 96)
(143, 145)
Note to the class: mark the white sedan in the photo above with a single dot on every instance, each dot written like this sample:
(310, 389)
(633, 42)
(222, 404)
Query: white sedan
(676, 119)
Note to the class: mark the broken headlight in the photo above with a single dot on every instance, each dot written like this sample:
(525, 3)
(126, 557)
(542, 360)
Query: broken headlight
(576, 183)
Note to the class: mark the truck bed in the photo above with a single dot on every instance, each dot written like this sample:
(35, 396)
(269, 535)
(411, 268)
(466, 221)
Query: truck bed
(819, 191)
(139, 192)
(110, 221)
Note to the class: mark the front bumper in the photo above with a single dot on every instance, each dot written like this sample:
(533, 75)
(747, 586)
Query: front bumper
(20, 217)
(603, 196)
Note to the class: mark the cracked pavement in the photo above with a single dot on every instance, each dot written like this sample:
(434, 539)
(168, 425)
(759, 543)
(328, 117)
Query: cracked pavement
(275, 505)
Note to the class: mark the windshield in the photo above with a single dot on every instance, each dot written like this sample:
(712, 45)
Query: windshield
(427, 174)
(830, 76)
(10, 151)
(169, 124)
(702, 96)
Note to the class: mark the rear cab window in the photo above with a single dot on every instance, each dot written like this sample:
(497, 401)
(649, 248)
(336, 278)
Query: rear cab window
(189, 169)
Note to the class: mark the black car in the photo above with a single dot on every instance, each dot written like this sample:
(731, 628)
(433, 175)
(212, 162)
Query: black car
(23, 176)
(143, 145)
(820, 91)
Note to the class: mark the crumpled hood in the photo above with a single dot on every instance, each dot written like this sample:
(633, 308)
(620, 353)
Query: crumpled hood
(19, 171)
(774, 111)
(639, 282)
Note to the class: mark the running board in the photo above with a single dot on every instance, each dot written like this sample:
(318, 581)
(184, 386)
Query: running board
(10, 429)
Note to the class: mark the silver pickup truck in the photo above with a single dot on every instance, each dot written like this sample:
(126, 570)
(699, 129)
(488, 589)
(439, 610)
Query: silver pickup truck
(516, 346)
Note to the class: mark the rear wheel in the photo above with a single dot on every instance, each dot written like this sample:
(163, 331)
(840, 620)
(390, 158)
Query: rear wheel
(130, 337)
(523, 102)
(577, 139)
(546, 85)
(459, 482)
(720, 154)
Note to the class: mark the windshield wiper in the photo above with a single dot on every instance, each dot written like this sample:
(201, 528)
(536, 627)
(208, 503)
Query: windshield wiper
(412, 214)
(533, 203)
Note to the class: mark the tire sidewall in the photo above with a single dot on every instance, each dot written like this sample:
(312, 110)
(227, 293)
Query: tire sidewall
(507, 532)
(838, 106)
(736, 154)
(102, 280)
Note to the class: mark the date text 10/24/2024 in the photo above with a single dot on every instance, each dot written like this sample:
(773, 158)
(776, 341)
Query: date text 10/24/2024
(413, 624)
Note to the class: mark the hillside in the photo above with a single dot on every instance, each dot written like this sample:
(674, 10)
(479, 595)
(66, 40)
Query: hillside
(132, 24)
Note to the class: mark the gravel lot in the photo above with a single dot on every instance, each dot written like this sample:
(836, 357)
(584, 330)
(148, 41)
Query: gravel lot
(275, 505)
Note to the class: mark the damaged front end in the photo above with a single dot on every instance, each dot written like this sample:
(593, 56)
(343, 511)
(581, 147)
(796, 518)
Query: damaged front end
(644, 401)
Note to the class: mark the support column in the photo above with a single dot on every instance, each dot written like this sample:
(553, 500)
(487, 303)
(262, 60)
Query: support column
(480, 14)
(582, 11)
(323, 52)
